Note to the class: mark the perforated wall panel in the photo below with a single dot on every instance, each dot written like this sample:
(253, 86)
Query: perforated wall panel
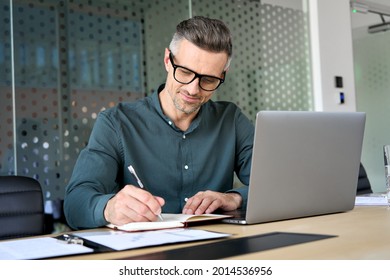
(73, 59)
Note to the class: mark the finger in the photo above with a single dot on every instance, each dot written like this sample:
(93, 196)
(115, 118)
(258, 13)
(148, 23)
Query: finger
(129, 216)
(213, 206)
(154, 202)
(149, 207)
(118, 210)
(200, 203)
(208, 205)
(192, 204)
(134, 210)
(137, 204)
(160, 200)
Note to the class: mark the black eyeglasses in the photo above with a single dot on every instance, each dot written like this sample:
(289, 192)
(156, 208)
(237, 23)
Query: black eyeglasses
(185, 76)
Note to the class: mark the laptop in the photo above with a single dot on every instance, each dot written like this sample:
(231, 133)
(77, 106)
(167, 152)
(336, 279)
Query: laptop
(303, 164)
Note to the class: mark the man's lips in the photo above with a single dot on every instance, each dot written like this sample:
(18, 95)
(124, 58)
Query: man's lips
(189, 98)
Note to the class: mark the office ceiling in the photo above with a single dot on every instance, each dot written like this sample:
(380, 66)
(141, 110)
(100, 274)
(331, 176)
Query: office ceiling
(360, 20)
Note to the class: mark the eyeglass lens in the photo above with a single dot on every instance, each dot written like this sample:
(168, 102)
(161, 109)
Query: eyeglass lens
(186, 76)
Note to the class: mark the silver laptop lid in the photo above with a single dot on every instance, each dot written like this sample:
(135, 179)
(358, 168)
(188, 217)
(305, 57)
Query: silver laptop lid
(304, 164)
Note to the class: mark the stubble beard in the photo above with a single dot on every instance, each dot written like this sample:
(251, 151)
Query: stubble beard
(181, 105)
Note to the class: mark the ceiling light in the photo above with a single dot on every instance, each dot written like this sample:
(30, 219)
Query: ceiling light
(359, 8)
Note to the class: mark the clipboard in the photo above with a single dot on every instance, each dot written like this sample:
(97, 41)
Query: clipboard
(97, 241)
(41, 248)
(73, 239)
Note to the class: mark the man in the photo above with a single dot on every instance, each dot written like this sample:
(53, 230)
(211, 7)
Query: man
(184, 147)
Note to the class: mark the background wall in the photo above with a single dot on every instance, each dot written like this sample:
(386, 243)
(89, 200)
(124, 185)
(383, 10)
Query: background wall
(62, 62)
(331, 46)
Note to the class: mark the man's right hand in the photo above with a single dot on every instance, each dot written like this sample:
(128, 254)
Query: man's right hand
(133, 204)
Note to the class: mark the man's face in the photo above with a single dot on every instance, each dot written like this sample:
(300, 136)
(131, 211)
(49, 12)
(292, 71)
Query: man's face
(188, 98)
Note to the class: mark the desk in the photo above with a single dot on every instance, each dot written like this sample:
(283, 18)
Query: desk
(363, 233)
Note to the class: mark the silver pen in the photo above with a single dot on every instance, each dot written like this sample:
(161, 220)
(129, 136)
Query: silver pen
(132, 171)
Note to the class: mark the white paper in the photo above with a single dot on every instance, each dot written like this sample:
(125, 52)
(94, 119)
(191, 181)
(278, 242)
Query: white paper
(38, 248)
(122, 240)
(377, 199)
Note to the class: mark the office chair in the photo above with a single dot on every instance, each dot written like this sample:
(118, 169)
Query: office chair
(21, 207)
(364, 185)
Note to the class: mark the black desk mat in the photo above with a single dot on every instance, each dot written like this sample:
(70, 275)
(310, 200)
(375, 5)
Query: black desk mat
(233, 247)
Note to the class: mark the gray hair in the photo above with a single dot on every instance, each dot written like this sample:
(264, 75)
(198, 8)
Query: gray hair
(208, 34)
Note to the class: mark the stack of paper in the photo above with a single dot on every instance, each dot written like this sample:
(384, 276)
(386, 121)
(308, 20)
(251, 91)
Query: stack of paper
(372, 199)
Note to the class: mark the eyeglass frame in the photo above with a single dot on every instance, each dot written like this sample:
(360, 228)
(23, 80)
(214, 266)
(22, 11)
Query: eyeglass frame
(200, 76)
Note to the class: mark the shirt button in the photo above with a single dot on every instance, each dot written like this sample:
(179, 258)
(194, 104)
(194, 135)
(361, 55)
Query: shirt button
(186, 199)
(170, 123)
(184, 136)
(186, 166)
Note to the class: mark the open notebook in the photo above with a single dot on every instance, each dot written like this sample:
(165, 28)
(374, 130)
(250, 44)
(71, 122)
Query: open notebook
(169, 221)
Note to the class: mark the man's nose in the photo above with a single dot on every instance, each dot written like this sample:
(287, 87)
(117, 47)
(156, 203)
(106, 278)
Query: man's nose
(193, 87)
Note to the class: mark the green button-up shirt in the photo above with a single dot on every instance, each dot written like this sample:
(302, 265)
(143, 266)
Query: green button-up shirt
(171, 163)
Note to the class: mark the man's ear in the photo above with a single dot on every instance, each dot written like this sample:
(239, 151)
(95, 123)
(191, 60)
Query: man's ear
(166, 59)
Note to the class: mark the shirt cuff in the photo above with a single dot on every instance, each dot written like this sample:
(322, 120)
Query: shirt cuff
(99, 210)
(243, 191)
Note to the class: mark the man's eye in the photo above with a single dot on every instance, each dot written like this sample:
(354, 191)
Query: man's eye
(209, 80)
(185, 72)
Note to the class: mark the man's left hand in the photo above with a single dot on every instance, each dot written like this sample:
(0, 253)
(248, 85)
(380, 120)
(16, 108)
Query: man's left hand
(209, 201)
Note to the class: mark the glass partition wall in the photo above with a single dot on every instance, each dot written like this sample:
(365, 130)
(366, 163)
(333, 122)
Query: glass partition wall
(62, 62)
(372, 78)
